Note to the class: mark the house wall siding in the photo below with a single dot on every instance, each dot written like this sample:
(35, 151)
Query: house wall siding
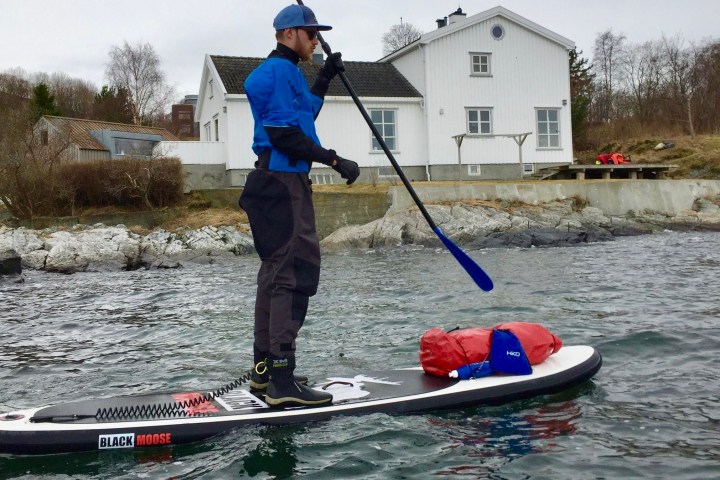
(528, 71)
(412, 66)
(240, 139)
(194, 153)
(341, 127)
(212, 106)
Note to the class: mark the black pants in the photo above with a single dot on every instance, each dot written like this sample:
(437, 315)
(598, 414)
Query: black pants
(279, 207)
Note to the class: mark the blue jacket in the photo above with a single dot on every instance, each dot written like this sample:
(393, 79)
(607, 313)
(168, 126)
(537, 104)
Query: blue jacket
(279, 96)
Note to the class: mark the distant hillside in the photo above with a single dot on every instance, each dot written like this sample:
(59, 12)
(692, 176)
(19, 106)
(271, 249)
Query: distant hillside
(697, 157)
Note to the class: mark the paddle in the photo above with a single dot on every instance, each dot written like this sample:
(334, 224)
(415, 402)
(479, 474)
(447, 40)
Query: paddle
(473, 269)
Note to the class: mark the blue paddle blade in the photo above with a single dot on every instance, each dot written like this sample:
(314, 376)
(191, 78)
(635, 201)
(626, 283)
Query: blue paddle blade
(473, 269)
(507, 354)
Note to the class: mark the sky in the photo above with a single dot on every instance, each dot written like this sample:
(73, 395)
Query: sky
(75, 36)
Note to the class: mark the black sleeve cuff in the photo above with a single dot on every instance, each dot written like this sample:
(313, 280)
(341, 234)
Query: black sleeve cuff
(297, 146)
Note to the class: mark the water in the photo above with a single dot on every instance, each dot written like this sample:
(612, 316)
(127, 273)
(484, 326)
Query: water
(650, 304)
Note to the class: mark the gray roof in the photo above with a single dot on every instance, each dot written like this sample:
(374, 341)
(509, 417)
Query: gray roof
(79, 130)
(368, 79)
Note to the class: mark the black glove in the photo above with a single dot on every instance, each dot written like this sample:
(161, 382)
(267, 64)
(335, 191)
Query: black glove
(347, 169)
(333, 66)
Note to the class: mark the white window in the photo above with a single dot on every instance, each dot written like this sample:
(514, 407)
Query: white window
(216, 122)
(385, 122)
(386, 171)
(210, 84)
(321, 178)
(134, 147)
(480, 64)
(528, 168)
(498, 32)
(548, 127)
(479, 121)
(474, 170)
(208, 134)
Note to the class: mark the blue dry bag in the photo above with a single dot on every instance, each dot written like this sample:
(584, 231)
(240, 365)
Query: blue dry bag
(506, 356)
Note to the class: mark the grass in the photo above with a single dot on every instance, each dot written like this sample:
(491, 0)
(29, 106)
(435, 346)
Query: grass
(695, 157)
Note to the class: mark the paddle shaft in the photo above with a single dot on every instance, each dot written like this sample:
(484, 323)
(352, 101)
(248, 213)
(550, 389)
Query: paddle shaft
(376, 133)
(471, 267)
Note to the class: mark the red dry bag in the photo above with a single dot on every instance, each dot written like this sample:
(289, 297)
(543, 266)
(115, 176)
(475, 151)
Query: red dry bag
(442, 352)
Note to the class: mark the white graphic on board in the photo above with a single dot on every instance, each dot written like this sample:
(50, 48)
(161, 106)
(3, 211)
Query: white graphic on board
(240, 400)
(343, 388)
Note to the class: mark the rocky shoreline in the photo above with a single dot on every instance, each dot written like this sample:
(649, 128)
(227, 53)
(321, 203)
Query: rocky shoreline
(471, 225)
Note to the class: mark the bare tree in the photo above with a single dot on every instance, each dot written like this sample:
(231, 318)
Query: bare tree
(707, 92)
(137, 70)
(642, 78)
(73, 96)
(682, 76)
(398, 36)
(31, 178)
(14, 87)
(607, 56)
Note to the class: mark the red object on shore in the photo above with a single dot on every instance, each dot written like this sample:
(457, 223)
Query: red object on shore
(614, 158)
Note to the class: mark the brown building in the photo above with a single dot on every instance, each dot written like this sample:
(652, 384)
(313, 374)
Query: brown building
(183, 118)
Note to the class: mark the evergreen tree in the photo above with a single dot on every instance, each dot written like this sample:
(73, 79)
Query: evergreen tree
(581, 89)
(113, 105)
(42, 102)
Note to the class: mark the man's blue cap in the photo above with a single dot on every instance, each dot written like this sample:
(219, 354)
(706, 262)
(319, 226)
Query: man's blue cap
(297, 16)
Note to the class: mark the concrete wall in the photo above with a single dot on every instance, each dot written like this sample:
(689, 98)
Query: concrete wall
(482, 172)
(613, 197)
(199, 177)
(335, 210)
(332, 210)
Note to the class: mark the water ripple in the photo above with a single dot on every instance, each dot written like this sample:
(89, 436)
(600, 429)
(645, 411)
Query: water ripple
(650, 305)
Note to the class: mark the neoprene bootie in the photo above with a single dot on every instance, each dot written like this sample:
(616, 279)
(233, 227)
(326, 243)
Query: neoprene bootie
(260, 377)
(284, 391)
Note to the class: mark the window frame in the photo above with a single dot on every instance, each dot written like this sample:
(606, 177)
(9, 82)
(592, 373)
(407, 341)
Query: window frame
(381, 128)
(474, 170)
(548, 135)
(502, 32)
(136, 147)
(386, 171)
(216, 123)
(479, 56)
(479, 120)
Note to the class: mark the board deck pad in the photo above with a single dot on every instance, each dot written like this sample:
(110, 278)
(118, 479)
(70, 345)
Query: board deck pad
(173, 418)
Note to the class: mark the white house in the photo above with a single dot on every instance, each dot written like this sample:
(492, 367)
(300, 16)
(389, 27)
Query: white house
(469, 100)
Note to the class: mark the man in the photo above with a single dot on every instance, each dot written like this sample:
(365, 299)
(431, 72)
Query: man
(278, 200)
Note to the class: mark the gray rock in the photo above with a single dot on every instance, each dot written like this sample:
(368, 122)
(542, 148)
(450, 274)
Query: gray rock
(21, 240)
(96, 248)
(10, 262)
(100, 248)
(705, 205)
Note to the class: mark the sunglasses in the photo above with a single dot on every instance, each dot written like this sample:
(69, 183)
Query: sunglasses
(312, 34)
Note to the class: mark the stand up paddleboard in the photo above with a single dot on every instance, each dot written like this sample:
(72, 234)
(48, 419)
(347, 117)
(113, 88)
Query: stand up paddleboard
(169, 419)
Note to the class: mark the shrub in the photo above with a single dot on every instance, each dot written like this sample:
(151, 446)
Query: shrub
(41, 186)
(134, 183)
